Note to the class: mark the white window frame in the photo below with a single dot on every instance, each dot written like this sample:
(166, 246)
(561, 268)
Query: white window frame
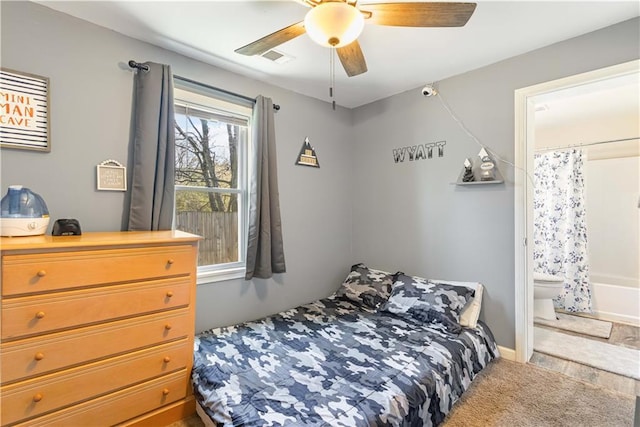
(208, 102)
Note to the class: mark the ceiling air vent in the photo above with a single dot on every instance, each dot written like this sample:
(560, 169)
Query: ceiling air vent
(277, 57)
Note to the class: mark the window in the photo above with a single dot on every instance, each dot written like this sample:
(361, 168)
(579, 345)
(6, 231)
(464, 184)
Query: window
(212, 137)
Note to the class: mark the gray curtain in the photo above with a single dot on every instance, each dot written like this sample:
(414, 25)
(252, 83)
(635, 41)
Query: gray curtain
(265, 252)
(152, 182)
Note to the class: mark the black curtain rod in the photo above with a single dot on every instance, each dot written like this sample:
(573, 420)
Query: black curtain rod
(134, 64)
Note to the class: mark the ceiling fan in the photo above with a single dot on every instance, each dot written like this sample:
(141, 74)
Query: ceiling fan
(338, 23)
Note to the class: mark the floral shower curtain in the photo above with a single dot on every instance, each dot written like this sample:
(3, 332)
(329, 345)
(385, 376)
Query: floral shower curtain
(560, 225)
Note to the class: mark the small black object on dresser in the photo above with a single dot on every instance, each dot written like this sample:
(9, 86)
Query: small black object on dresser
(66, 227)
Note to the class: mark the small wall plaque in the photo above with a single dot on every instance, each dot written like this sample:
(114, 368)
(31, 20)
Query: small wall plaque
(111, 175)
(307, 156)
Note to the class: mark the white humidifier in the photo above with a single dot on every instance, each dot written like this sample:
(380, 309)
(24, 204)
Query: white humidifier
(23, 213)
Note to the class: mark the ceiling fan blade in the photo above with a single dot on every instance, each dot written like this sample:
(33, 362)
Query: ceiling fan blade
(308, 3)
(262, 45)
(352, 59)
(437, 14)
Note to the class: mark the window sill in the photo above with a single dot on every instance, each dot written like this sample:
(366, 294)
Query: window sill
(205, 277)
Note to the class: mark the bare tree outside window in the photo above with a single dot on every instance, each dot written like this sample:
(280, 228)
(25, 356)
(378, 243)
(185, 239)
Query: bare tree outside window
(207, 163)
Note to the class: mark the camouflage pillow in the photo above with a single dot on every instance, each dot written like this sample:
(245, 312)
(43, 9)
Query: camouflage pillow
(428, 301)
(366, 286)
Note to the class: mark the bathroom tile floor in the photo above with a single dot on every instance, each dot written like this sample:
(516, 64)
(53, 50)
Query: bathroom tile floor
(621, 335)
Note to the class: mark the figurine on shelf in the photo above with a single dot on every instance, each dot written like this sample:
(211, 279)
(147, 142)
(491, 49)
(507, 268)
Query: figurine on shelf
(487, 172)
(468, 172)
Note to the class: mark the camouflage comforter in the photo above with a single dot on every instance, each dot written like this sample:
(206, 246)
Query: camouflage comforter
(329, 363)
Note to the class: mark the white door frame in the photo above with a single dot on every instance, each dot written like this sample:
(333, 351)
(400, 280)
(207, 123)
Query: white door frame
(523, 192)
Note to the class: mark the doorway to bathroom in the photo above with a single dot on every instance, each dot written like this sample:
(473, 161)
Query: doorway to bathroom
(561, 137)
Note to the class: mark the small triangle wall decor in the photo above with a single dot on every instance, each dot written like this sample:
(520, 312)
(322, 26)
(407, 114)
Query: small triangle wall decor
(307, 156)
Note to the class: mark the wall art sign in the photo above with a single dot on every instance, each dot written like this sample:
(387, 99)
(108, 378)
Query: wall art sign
(307, 156)
(24, 111)
(418, 152)
(111, 175)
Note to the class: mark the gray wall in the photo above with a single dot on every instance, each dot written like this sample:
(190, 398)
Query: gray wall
(404, 216)
(408, 216)
(91, 92)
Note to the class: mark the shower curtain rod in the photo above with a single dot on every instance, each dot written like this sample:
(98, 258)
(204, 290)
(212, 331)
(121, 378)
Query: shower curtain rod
(142, 67)
(586, 144)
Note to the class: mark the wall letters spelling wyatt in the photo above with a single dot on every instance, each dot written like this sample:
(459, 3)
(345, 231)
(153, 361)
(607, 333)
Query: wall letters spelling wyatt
(418, 152)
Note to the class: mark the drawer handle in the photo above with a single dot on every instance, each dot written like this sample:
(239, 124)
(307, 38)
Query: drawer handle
(169, 294)
(40, 314)
(166, 359)
(37, 397)
(41, 273)
(167, 326)
(170, 261)
(165, 391)
(38, 356)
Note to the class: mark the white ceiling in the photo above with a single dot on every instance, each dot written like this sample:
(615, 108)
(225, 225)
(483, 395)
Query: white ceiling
(619, 96)
(398, 59)
(604, 110)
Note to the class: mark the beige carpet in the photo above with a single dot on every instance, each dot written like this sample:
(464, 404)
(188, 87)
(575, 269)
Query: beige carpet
(510, 394)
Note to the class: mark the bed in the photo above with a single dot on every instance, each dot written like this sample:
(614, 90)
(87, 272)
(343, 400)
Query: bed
(352, 359)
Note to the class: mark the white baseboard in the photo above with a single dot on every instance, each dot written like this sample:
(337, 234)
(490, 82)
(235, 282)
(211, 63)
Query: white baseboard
(617, 318)
(507, 353)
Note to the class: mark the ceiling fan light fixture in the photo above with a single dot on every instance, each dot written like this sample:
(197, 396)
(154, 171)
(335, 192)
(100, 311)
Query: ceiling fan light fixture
(334, 24)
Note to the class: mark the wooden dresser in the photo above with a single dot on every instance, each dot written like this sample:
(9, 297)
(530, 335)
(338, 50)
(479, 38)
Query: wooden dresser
(97, 329)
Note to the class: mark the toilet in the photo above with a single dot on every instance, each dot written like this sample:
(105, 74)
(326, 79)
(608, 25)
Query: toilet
(546, 287)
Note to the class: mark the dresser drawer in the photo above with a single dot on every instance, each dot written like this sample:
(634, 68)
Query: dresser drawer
(120, 406)
(41, 272)
(31, 398)
(24, 316)
(41, 355)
